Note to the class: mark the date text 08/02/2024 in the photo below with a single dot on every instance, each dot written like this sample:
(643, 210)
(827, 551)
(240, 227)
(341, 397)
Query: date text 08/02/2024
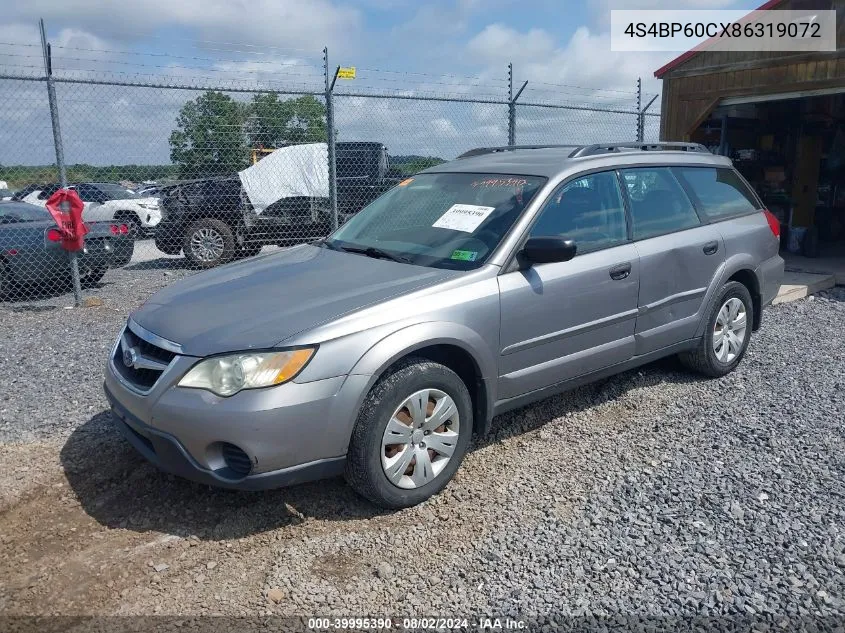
(416, 624)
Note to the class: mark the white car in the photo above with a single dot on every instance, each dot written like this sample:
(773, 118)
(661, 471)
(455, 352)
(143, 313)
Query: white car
(107, 202)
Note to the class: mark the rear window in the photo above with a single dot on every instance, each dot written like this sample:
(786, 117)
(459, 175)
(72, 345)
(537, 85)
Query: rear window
(720, 193)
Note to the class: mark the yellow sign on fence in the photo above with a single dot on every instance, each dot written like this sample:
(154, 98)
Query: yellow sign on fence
(346, 73)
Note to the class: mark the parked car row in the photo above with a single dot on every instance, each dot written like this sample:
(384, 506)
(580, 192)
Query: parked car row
(281, 200)
(104, 202)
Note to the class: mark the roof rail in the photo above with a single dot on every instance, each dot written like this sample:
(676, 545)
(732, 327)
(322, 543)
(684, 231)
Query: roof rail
(607, 148)
(480, 151)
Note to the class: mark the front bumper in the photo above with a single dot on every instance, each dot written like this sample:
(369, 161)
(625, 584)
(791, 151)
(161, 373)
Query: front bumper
(166, 453)
(290, 433)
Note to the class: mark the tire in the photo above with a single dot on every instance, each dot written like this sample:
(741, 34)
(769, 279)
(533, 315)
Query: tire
(123, 252)
(704, 359)
(91, 277)
(136, 231)
(208, 243)
(5, 279)
(368, 458)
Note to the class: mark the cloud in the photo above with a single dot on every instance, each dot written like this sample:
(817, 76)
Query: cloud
(283, 23)
(585, 60)
(601, 8)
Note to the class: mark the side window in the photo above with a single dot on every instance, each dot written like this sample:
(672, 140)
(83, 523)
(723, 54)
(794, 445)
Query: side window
(48, 191)
(588, 210)
(720, 192)
(658, 202)
(87, 193)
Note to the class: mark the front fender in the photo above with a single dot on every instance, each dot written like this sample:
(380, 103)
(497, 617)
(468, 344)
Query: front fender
(404, 342)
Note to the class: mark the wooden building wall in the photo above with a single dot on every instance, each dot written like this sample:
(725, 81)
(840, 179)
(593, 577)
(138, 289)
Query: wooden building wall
(692, 89)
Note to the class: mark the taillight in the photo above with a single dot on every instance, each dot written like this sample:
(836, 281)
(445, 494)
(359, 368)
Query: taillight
(123, 229)
(774, 223)
(114, 229)
(54, 235)
(12, 251)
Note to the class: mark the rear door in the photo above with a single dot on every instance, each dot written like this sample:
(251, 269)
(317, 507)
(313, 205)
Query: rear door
(679, 257)
(728, 202)
(566, 319)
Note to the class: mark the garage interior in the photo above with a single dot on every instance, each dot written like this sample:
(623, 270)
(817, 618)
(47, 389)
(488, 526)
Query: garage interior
(780, 116)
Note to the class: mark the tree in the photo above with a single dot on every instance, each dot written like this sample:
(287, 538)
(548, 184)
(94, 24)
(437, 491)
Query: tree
(275, 123)
(209, 138)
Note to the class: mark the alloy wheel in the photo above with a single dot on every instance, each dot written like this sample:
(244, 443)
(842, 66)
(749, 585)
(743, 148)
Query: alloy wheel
(420, 438)
(207, 244)
(730, 330)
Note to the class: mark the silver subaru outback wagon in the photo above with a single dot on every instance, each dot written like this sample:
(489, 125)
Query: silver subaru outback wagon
(472, 288)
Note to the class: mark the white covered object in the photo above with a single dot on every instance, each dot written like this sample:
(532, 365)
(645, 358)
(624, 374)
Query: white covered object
(288, 172)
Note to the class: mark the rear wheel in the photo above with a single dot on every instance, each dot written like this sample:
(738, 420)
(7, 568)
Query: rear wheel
(90, 277)
(727, 334)
(131, 220)
(209, 242)
(412, 432)
(5, 279)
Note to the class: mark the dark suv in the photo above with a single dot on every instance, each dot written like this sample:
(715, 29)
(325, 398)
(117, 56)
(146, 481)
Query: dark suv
(212, 220)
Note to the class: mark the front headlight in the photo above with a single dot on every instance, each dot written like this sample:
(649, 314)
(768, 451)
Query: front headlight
(148, 205)
(227, 375)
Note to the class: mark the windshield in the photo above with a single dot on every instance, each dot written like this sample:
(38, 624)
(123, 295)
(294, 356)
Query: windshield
(116, 192)
(444, 220)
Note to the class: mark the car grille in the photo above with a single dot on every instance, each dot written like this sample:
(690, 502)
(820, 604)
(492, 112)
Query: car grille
(150, 361)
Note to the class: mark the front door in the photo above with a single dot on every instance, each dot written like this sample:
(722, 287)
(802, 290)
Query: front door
(562, 320)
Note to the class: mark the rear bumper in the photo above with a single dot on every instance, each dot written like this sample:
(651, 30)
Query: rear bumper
(168, 454)
(770, 276)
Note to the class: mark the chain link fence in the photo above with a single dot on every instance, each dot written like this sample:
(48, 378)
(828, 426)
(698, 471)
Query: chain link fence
(183, 168)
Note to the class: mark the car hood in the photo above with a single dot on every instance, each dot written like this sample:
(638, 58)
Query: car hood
(258, 303)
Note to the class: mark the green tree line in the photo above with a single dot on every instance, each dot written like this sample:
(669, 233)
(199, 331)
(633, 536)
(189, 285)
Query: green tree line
(215, 134)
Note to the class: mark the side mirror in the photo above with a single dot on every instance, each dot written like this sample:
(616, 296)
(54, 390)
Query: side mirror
(546, 250)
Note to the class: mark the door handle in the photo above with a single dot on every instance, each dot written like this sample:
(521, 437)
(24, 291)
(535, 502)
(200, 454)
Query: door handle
(621, 271)
(711, 247)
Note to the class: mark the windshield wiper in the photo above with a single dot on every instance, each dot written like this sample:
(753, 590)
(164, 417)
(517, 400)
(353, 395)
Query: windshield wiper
(377, 253)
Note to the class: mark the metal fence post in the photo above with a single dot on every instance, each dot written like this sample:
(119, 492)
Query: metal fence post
(512, 106)
(511, 109)
(60, 152)
(640, 121)
(330, 140)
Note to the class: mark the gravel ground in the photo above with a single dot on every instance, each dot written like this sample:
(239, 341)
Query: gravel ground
(654, 494)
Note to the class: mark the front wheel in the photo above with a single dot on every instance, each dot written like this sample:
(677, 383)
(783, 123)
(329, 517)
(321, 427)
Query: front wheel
(727, 334)
(411, 434)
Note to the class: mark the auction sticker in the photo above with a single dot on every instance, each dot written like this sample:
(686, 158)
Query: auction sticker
(464, 256)
(463, 217)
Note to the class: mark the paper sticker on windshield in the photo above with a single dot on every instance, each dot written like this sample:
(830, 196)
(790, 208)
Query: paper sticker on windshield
(405, 182)
(464, 256)
(463, 217)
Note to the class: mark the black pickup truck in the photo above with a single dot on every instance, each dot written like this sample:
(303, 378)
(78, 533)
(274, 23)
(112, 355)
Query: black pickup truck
(212, 220)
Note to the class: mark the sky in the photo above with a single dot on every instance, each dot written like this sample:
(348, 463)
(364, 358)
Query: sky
(400, 47)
